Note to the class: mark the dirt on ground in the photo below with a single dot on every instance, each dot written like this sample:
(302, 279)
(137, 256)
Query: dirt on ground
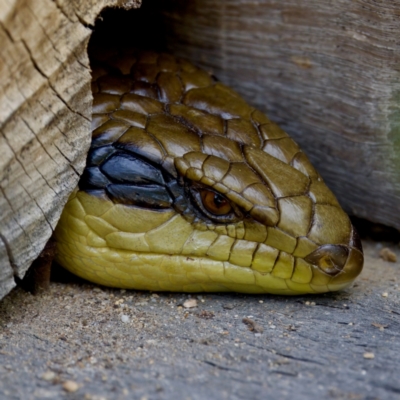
(81, 341)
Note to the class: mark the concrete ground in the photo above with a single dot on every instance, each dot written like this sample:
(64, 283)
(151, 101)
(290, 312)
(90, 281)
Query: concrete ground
(79, 341)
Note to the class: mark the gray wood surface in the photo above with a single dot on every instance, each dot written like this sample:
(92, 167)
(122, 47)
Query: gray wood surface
(310, 347)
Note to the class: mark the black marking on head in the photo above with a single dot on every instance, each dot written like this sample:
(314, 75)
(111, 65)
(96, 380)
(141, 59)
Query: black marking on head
(128, 178)
(131, 179)
(126, 168)
(98, 155)
(93, 178)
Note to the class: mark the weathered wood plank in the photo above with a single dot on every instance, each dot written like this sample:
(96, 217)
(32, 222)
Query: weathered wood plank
(44, 120)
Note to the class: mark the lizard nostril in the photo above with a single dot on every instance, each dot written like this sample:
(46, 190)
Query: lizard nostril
(329, 258)
(333, 259)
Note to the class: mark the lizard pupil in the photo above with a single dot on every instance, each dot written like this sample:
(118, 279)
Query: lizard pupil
(219, 201)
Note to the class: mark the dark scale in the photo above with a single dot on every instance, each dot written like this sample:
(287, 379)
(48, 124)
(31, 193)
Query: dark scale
(93, 178)
(97, 155)
(127, 178)
(126, 168)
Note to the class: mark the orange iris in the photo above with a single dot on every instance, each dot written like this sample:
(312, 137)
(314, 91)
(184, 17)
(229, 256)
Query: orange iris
(215, 203)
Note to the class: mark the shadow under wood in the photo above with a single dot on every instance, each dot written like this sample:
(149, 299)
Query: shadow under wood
(139, 28)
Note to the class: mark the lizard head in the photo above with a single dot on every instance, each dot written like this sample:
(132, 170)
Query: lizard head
(189, 188)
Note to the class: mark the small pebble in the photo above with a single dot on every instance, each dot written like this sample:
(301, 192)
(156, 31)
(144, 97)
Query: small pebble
(206, 314)
(70, 386)
(387, 255)
(190, 303)
(369, 356)
(48, 376)
(385, 294)
(252, 325)
(124, 318)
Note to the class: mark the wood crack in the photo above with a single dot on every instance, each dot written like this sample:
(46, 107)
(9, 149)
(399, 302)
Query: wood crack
(9, 254)
(40, 208)
(60, 8)
(14, 218)
(26, 123)
(16, 157)
(36, 66)
(69, 161)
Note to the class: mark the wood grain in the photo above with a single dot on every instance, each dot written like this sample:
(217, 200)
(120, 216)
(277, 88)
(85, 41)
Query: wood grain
(44, 120)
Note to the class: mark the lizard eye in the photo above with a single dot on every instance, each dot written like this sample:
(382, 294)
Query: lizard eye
(215, 206)
(215, 203)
